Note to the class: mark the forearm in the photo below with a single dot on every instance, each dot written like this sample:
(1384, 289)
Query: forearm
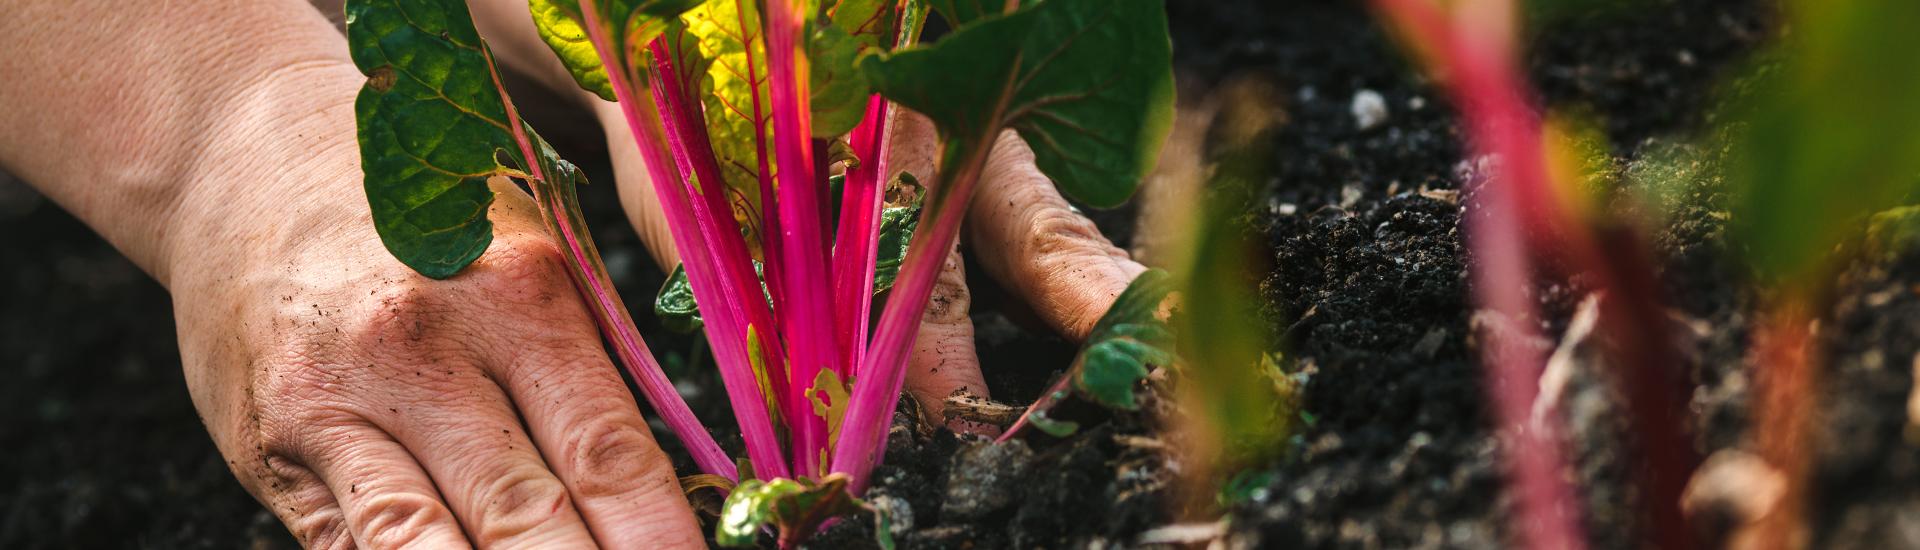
(118, 110)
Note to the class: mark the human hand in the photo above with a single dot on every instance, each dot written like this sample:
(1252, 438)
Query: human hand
(366, 405)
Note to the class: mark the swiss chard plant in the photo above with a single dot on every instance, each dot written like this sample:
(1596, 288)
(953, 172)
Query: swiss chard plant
(763, 125)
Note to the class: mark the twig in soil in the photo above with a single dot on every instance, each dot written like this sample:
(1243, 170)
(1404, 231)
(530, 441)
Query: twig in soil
(973, 408)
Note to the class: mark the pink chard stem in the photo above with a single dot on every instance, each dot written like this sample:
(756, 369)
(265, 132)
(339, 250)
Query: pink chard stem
(724, 275)
(857, 242)
(1486, 89)
(561, 209)
(737, 374)
(806, 317)
(863, 432)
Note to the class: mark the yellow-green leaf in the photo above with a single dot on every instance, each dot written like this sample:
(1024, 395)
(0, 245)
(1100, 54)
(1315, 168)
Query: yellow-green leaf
(632, 25)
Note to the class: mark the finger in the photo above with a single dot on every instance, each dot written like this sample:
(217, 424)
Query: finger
(582, 418)
(464, 433)
(636, 187)
(586, 424)
(1044, 251)
(304, 503)
(386, 500)
(944, 361)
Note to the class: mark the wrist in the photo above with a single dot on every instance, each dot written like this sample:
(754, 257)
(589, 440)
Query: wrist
(278, 171)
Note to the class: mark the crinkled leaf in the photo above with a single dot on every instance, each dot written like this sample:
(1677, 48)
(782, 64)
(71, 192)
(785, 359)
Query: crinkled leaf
(896, 230)
(793, 508)
(675, 306)
(637, 22)
(432, 129)
(898, 218)
(1088, 83)
(1128, 338)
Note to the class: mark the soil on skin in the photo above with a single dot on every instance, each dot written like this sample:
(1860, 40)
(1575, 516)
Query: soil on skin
(1367, 288)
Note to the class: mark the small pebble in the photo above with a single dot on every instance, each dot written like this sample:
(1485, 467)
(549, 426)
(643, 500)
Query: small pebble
(984, 478)
(1368, 108)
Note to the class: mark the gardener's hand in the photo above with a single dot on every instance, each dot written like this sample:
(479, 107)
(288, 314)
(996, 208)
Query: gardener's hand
(362, 403)
(357, 398)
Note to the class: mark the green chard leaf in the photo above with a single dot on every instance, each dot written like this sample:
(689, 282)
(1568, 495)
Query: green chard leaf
(636, 23)
(898, 219)
(839, 88)
(432, 128)
(675, 305)
(1088, 83)
(870, 22)
(961, 12)
(839, 91)
(1128, 338)
(793, 507)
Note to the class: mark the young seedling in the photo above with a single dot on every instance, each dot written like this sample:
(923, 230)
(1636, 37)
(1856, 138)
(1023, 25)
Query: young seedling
(1526, 214)
(1825, 140)
(739, 108)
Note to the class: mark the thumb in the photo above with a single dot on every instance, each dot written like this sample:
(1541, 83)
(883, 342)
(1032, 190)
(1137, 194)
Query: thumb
(636, 186)
(1046, 253)
(944, 362)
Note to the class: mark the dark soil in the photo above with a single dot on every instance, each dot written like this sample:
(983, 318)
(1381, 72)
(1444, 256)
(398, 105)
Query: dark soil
(1367, 290)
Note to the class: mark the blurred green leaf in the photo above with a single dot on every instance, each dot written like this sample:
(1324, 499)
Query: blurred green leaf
(1056, 428)
(1828, 135)
(961, 12)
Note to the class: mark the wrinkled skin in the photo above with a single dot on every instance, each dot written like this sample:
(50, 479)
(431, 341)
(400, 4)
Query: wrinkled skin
(365, 405)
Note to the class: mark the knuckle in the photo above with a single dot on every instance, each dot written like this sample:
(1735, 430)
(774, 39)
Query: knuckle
(396, 520)
(613, 455)
(1057, 230)
(523, 270)
(518, 503)
(301, 408)
(323, 530)
(949, 302)
(406, 315)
